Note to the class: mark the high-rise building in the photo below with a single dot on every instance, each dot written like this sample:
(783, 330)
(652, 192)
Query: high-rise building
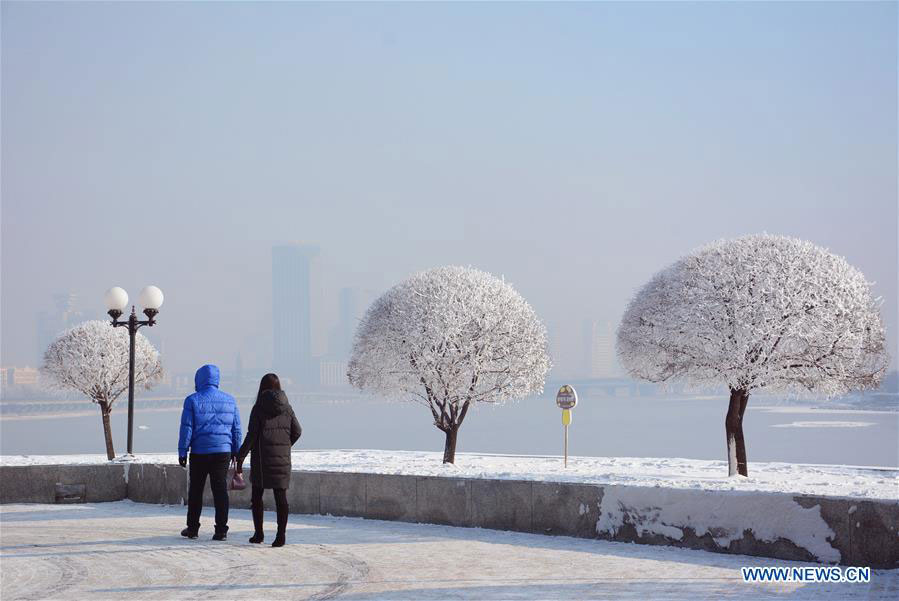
(341, 340)
(332, 373)
(51, 324)
(19, 376)
(599, 350)
(292, 313)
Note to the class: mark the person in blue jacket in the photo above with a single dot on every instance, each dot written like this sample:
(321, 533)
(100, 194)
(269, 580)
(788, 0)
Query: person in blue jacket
(210, 430)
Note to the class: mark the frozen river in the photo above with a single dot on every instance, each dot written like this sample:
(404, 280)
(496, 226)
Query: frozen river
(602, 426)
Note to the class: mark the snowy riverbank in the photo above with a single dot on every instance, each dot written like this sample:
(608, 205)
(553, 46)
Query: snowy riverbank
(828, 480)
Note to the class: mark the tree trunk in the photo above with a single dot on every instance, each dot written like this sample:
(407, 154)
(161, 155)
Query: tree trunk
(107, 429)
(449, 449)
(733, 427)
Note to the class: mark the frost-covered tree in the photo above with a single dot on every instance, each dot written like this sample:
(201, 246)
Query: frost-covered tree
(448, 338)
(92, 358)
(757, 312)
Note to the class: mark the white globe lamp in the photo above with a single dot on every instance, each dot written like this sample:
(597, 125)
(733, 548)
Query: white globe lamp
(151, 299)
(116, 300)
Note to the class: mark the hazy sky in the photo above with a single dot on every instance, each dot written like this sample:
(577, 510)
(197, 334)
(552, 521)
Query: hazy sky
(573, 148)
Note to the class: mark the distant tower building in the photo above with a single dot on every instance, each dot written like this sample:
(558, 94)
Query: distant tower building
(291, 312)
(332, 373)
(586, 362)
(341, 341)
(348, 304)
(599, 347)
(51, 323)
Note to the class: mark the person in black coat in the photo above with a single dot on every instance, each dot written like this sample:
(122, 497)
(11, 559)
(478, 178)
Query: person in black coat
(272, 431)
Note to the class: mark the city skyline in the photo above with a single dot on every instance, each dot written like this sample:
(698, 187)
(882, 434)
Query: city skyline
(593, 147)
(349, 307)
(295, 283)
(597, 360)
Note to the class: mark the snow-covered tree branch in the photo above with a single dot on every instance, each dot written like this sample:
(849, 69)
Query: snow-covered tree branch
(757, 312)
(92, 358)
(447, 338)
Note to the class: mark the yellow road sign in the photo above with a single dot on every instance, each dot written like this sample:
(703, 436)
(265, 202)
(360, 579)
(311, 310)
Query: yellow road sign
(566, 417)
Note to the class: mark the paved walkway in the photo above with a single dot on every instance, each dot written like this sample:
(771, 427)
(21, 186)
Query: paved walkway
(132, 551)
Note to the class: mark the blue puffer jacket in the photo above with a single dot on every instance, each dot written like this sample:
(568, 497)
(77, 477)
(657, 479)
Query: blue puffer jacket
(210, 420)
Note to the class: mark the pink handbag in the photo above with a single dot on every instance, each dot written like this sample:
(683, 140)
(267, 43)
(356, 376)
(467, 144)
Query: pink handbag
(236, 481)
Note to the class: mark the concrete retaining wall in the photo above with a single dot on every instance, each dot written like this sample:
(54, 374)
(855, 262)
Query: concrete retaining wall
(40, 483)
(157, 483)
(834, 530)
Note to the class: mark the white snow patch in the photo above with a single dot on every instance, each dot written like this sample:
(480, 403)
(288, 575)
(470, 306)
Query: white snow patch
(693, 474)
(825, 424)
(732, 469)
(813, 410)
(726, 517)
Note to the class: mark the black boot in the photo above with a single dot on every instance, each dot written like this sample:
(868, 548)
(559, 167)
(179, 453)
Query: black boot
(281, 537)
(221, 533)
(187, 532)
(258, 536)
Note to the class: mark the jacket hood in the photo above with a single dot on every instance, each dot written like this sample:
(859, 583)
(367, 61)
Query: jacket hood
(273, 402)
(206, 377)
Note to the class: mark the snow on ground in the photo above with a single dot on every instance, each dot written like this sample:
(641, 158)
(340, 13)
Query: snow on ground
(828, 480)
(128, 550)
(833, 424)
(816, 410)
(670, 512)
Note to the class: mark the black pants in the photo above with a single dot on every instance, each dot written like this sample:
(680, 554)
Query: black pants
(281, 507)
(214, 465)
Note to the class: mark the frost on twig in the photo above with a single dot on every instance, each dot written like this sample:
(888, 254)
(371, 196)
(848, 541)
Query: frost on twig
(92, 358)
(448, 338)
(757, 312)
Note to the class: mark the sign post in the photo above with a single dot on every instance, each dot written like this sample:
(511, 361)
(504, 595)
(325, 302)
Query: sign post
(566, 399)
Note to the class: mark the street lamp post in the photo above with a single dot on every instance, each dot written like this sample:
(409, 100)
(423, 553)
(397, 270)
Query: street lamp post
(116, 301)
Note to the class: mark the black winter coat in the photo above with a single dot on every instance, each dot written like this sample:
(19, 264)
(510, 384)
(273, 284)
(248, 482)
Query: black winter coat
(273, 429)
